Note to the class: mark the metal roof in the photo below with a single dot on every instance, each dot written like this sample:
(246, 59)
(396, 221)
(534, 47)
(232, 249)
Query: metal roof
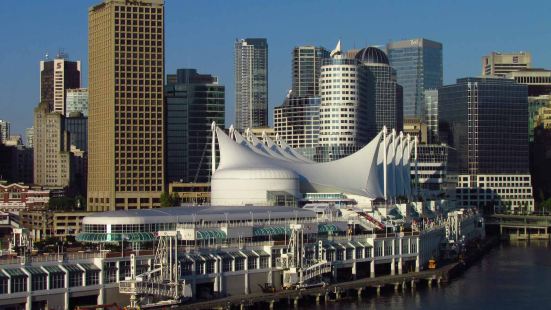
(89, 267)
(187, 214)
(115, 237)
(15, 272)
(72, 268)
(53, 269)
(36, 271)
(210, 234)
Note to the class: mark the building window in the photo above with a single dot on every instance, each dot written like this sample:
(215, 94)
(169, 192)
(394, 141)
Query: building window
(75, 279)
(239, 263)
(38, 282)
(226, 265)
(18, 284)
(92, 277)
(251, 263)
(3, 285)
(57, 280)
(264, 262)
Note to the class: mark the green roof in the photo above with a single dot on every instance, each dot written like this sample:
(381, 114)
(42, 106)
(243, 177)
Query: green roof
(115, 237)
(15, 272)
(72, 268)
(210, 234)
(53, 269)
(89, 267)
(249, 253)
(35, 271)
(271, 231)
(261, 253)
(322, 228)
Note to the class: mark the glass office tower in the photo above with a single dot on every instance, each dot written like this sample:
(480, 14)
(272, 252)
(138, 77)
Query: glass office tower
(418, 64)
(486, 121)
(388, 94)
(193, 102)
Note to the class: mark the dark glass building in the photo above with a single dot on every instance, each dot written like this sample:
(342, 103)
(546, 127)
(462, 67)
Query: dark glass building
(486, 121)
(76, 124)
(388, 94)
(418, 64)
(193, 102)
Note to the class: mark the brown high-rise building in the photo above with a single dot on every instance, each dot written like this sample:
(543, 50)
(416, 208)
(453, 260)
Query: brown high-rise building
(56, 76)
(125, 126)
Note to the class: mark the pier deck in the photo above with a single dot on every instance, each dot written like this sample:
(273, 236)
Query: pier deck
(439, 274)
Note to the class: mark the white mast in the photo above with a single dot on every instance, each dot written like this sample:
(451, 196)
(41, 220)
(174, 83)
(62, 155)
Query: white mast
(213, 147)
(384, 162)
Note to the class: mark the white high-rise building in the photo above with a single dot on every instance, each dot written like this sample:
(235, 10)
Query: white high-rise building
(344, 103)
(251, 83)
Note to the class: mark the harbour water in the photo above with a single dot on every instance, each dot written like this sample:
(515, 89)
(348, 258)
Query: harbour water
(511, 276)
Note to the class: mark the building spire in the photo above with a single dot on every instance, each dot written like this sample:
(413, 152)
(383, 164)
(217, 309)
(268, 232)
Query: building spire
(337, 50)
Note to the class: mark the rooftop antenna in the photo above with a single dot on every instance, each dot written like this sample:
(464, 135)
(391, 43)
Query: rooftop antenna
(61, 54)
(46, 56)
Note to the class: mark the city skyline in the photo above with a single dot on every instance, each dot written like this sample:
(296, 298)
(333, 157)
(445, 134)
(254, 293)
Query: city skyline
(189, 46)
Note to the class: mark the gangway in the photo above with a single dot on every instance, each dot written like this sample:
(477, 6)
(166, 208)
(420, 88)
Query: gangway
(371, 219)
(162, 282)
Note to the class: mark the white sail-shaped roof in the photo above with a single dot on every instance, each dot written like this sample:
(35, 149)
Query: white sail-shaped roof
(406, 169)
(265, 168)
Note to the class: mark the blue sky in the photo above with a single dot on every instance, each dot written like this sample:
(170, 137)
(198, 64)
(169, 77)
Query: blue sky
(200, 34)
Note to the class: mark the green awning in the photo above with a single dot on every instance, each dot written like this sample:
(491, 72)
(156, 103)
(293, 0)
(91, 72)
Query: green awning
(196, 257)
(115, 237)
(72, 268)
(237, 254)
(210, 234)
(35, 271)
(323, 228)
(89, 267)
(53, 269)
(271, 231)
(224, 255)
(261, 253)
(15, 272)
(249, 253)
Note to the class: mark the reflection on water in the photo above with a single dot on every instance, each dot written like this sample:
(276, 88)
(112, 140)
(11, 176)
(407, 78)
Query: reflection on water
(516, 275)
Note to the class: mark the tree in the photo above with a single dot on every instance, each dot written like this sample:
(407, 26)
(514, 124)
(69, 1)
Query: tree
(169, 200)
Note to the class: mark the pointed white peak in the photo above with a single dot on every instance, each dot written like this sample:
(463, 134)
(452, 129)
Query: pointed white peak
(337, 50)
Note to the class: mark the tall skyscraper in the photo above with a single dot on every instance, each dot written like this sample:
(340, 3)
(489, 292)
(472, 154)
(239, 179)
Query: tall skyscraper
(193, 102)
(126, 109)
(431, 106)
(4, 131)
(296, 121)
(498, 64)
(56, 76)
(251, 83)
(418, 64)
(51, 148)
(77, 101)
(485, 121)
(388, 94)
(347, 105)
(307, 61)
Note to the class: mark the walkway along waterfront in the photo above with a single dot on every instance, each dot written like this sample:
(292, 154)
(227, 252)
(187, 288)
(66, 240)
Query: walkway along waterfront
(335, 292)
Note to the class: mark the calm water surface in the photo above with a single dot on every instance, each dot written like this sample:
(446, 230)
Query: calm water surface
(511, 276)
